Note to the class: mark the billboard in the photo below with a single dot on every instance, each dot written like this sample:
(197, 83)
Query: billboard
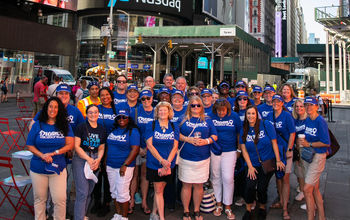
(221, 10)
(64, 4)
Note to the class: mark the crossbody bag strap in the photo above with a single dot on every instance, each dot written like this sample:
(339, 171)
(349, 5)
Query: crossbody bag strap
(183, 144)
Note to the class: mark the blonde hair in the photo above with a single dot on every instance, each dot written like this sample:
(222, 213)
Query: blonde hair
(294, 113)
(188, 114)
(290, 88)
(163, 104)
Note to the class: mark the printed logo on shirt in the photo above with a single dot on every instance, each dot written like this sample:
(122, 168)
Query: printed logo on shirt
(92, 141)
(117, 101)
(228, 123)
(70, 119)
(174, 119)
(142, 120)
(242, 117)
(265, 113)
(121, 138)
(107, 116)
(279, 124)
(311, 131)
(161, 136)
(290, 108)
(50, 134)
(192, 125)
(299, 128)
(250, 138)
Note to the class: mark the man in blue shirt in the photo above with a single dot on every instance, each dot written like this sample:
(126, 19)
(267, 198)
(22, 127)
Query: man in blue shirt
(120, 93)
(207, 99)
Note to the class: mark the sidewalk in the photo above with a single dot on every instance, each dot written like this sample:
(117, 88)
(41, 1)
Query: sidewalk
(335, 180)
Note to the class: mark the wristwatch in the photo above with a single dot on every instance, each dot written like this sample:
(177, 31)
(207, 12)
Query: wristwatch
(57, 152)
(310, 144)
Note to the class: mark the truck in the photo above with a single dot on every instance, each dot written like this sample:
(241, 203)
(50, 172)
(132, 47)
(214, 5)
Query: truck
(304, 79)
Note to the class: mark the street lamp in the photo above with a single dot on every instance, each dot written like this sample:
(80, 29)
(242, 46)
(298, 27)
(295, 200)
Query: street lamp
(127, 39)
(109, 43)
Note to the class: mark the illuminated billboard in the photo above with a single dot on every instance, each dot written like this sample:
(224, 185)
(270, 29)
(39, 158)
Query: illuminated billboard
(221, 10)
(64, 4)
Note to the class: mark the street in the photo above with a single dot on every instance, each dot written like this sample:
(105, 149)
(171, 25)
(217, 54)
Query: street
(335, 180)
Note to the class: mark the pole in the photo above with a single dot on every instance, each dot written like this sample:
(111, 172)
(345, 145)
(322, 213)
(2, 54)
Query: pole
(340, 68)
(327, 62)
(344, 66)
(127, 40)
(212, 66)
(333, 65)
(109, 43)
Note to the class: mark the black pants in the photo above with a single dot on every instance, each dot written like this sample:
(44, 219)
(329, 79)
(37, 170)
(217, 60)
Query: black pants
(97, 193)
(240, 176)
(257, 187)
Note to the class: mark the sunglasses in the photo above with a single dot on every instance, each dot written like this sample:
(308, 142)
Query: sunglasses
(240, 86)
(122, 117)
(244, 98)
(195, 105)
(145, 98)
(194, 93)
(120, 81)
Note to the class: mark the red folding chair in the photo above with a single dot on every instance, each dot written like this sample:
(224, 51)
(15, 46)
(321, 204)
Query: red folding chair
(25, 111)
(15, 189)
(6, 134)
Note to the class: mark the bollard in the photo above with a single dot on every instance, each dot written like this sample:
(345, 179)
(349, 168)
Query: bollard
(331, 111)
(17, 95)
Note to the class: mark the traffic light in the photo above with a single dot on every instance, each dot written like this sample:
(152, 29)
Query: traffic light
(170, 44)
(105, 40)
(139, 39)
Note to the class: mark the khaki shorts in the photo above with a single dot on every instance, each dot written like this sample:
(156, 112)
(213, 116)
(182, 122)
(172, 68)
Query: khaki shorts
(299, 168)
(140, 160)
(37, 107)
(315, 168)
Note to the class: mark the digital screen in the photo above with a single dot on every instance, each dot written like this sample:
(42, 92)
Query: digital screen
(221, 10)
(202, 63)
(64, 4)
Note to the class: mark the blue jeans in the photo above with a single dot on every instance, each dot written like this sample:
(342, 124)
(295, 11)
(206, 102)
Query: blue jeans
(83, 187)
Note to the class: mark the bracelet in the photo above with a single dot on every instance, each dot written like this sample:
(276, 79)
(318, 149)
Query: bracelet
(207, 140)
(239, 151)
(124, 164)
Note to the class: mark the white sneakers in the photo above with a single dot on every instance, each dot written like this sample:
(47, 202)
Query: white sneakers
(116, 217)
(300, 196)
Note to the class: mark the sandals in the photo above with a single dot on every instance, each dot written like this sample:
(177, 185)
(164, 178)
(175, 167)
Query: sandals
(276, 205)
(186, 216)
(229, 214)
(131, 210)
(198, 216)
(285, 217)
(146, 210)
(218, 210)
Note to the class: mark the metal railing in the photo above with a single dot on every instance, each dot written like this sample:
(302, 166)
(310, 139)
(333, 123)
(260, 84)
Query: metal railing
(331, 12)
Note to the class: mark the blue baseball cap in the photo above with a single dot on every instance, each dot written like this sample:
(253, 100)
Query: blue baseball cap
(242, 93)
(223, 83)
(206, 91)
(179, 92)
(257, 89)
(146, 93)
(132, 86)
(269, 88)
(241, 83)
(278, 97)
(93, 83)
(63, 87)
(164, 89)
(123, 112)
(310, 100)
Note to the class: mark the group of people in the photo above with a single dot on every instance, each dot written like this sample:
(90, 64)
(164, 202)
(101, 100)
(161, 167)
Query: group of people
(125, 139)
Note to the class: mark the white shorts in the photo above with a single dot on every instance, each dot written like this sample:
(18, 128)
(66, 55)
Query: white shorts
(315, 168)
(118, 185)
(194, 171)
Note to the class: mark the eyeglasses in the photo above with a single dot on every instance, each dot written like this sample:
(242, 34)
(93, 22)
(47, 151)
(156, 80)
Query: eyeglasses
(194, 93)
(195, 105)
(257, 92)
(91, 113)
(145, 98)
(121, 81)
(122, 117)
(243, 98)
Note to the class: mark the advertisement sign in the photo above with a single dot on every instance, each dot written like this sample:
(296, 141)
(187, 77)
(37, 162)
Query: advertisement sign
(221, 10)
(281, 9)
(64, 4)
(134, 66)
(121, 66)
(202, 63)
(146, 67)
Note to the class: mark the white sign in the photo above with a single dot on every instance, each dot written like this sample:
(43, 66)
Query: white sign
(227, 32)
(323, 83)
(105, 32)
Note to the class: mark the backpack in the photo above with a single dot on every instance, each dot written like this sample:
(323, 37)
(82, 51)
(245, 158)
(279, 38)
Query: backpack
(334, 146)
(85, 93)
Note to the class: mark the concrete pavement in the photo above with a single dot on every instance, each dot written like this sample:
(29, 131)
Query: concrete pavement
(335, 180)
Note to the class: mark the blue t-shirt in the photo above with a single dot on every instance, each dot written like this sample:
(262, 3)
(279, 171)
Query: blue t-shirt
(227, 128)
(178, 115)
(91, 138)
(163, 142)
(204, 129)
(119, 98)
(143, 118)
(208, 110)
(126, 106)
(284, 125)
(106, 117)
(74, 116)
(289, 105)
(299, 127)
(119, 146)
(264, 110)
(266, 135)
(46, 138)
(317, 130)
(241, 114)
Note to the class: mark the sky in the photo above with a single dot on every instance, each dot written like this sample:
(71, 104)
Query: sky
(309, 16)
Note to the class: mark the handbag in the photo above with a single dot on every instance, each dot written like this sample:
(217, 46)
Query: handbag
(208, 202)
(267, 165)
(334, 146)
(307, 154)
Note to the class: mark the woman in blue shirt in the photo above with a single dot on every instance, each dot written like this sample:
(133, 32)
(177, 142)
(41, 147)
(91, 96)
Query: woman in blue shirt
(123, 146)
(228, 126)
(299, 114)
(266, 108)
(49, 139)
(90, 138)
(283, 122)
(317, 137)
(257, 148)
(177, 100)
(197, 132)
(241, 103)
(162, 141)
(288, 96)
